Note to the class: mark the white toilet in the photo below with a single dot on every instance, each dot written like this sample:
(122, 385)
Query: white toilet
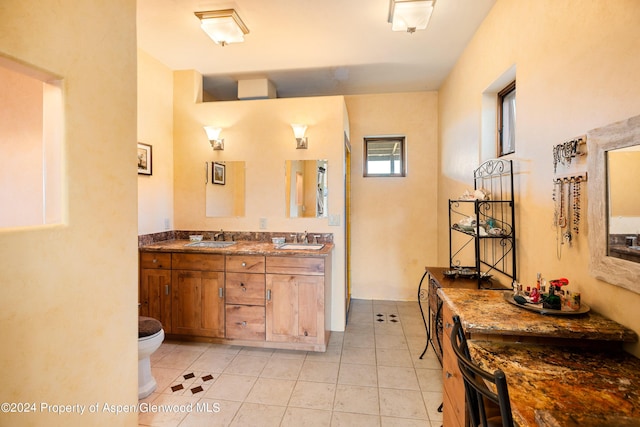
(150, 336)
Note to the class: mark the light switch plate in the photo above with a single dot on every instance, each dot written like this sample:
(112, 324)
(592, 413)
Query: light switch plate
(334, 219)
(263, 223)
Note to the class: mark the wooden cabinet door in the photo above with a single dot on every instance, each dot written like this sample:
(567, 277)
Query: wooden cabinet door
(198, 303)
(212, 300)
(155, 296)
(294, 308)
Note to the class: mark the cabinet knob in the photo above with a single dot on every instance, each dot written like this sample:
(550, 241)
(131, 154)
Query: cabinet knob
(243, 324)
(244, 289)
(448, 325)
(244, 264)
(155, 261)
(448, 374)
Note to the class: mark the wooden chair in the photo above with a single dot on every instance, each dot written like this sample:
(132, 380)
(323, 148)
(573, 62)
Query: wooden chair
(485, 408)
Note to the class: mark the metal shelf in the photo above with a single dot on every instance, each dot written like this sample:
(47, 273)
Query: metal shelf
(490, 246)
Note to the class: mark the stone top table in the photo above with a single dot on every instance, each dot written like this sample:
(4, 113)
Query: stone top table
(565, 386)
(487, 315)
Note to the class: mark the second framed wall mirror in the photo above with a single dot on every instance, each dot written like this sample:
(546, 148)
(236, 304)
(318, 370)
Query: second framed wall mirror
(306, 189)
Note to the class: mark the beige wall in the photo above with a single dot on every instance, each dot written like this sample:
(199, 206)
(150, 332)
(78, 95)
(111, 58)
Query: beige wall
(259, 133)
(394, 220)
(577, 66)
(155, 127)
(68, 308)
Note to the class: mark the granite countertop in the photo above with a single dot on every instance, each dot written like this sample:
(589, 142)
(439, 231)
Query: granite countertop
(562, 386)
(240, 248)
(487, 312)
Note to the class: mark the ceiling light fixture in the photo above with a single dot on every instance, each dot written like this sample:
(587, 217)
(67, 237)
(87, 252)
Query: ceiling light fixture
(223, 26)
(410, 15)
(213, 133)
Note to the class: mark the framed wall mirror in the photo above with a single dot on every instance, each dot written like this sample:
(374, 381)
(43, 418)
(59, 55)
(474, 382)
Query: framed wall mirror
(614, 209)
(306, 188)
(225, 189)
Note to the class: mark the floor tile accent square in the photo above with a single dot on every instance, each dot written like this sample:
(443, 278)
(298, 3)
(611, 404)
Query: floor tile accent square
(191, 383)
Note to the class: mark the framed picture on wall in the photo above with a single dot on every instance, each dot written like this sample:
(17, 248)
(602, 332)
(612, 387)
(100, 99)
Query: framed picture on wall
(218, 171)
(144, 159)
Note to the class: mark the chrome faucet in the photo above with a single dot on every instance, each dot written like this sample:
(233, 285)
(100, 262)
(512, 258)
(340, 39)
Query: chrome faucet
(295, 238)
(305, 237)
(217, 235)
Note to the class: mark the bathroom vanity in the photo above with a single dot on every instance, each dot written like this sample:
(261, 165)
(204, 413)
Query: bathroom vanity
(521, 342)
(249, 293)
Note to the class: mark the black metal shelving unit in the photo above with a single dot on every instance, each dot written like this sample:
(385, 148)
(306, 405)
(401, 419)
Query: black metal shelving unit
(489, 246)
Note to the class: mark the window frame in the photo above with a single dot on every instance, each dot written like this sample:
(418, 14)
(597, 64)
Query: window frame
(506, 91)
(402, 140)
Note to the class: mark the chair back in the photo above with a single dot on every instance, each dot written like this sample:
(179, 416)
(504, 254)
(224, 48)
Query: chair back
(475, 382)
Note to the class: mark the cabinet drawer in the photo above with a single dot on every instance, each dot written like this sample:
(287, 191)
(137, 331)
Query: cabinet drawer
(450, 413)
(245, 263)
(295, 265)
(200, 262)
(245, 288)
(452, 381)
(245, 322)
(155, 260)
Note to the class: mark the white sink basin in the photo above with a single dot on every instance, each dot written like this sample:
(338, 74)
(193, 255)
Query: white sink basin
(210, 244)
(306, 246)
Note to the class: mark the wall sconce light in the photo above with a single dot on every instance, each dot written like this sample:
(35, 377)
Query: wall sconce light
(213, 134)
(223, 26)
(298, 131)
(410, 15)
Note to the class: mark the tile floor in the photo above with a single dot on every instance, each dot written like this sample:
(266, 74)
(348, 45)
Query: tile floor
(370, 375)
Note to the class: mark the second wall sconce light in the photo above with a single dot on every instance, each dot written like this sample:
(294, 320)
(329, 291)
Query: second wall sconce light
(213, 134)
(299, 131)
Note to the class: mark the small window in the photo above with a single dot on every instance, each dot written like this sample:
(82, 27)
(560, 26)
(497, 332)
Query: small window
(384, 156)
(507, 120)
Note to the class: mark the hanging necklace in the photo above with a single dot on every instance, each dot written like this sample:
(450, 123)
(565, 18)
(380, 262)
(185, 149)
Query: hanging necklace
(556, 213)
(567, 236)
(576, 205)
(562, 219)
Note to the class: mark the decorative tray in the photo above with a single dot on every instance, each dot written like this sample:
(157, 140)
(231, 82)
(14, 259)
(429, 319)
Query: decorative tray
(584, 308)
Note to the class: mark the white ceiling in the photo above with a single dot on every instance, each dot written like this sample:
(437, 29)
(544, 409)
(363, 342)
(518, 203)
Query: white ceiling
(311, 47)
